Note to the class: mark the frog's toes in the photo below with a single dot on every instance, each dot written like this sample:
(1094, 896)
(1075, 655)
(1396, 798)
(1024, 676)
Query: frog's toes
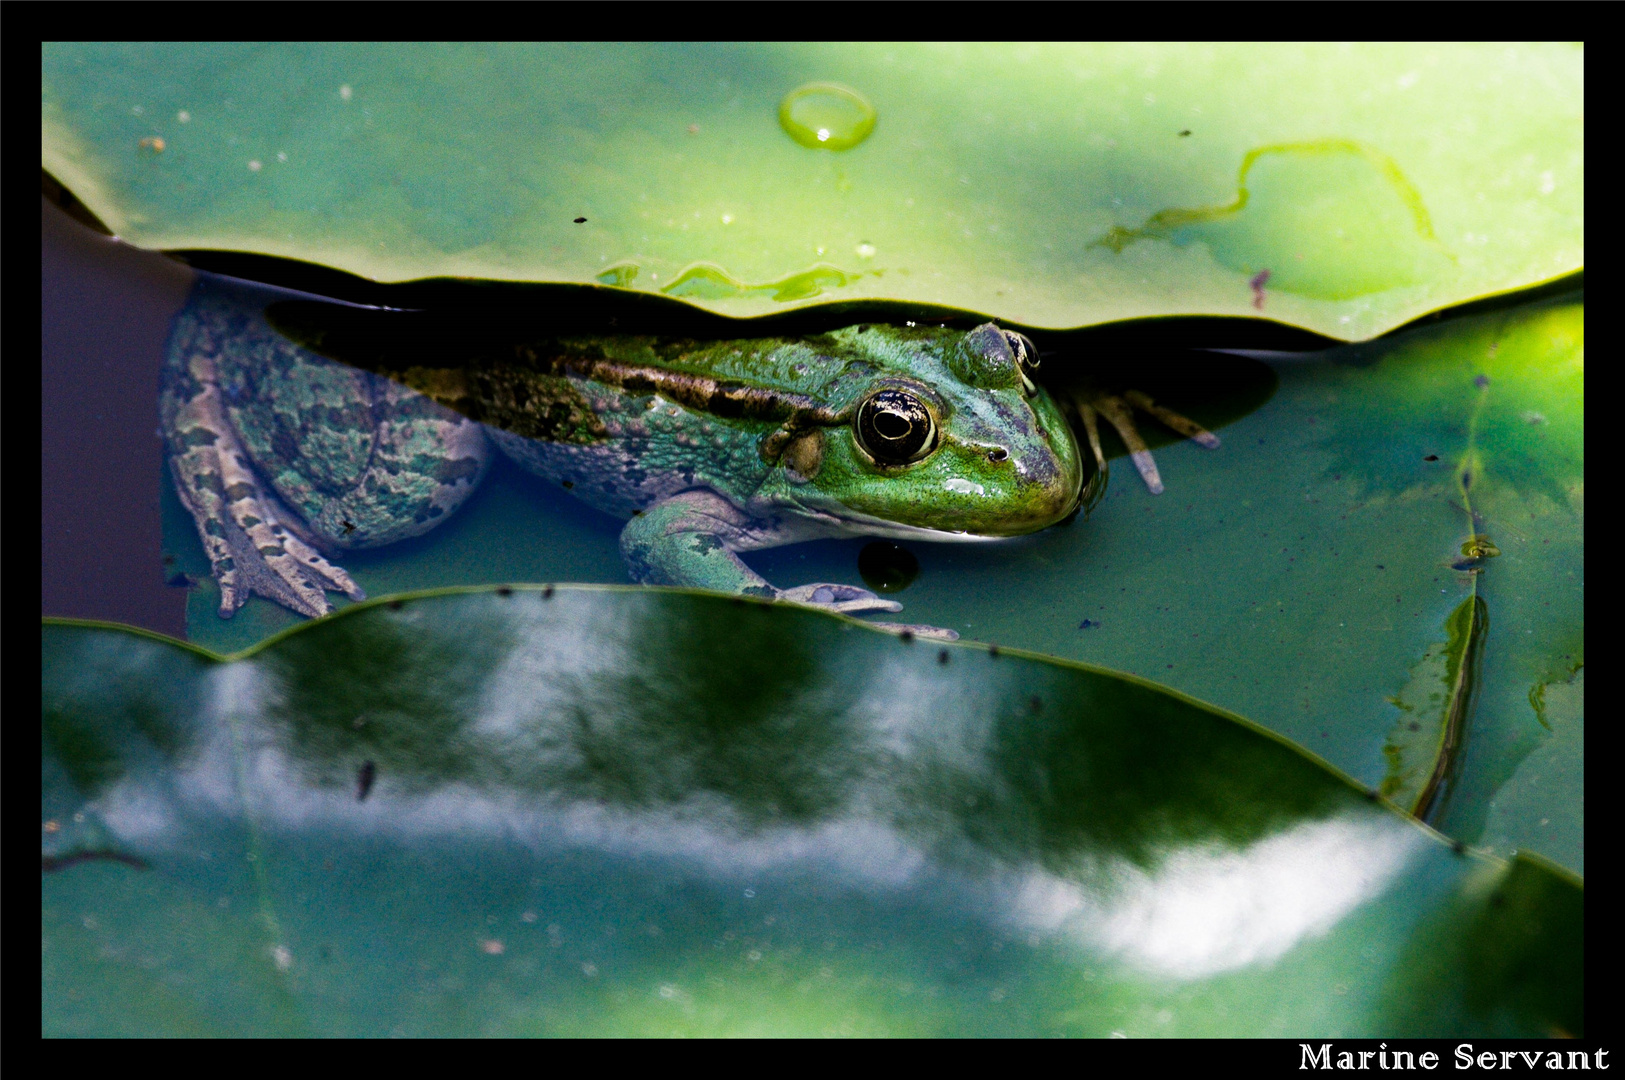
(846, 599)
(1118, 413)
(264, 557)
(935, 633)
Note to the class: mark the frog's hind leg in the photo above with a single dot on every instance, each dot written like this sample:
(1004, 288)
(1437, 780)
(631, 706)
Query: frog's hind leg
(1118, 413)
(245, 530)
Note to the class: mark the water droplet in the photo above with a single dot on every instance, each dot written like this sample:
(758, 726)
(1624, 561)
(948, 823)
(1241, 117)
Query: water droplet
(826, 115)
(185, 117)
(620, 275)
(866, 250)
(727, 219)
(344, 93)
(253, 166)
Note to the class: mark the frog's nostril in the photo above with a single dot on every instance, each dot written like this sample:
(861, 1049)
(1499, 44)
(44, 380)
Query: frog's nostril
(998, 453)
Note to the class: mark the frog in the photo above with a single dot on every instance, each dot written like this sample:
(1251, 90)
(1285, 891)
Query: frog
(708, 449)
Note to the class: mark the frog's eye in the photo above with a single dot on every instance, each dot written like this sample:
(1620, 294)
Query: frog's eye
(895, 427)
(1026, 359)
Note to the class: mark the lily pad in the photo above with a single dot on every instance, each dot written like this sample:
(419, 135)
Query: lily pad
(1312, 574)
(588, 811)
(1346, 189)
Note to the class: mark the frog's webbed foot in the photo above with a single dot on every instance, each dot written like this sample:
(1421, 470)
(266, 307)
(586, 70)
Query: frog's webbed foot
(1118, 413)
(846, 599)
(253, 545)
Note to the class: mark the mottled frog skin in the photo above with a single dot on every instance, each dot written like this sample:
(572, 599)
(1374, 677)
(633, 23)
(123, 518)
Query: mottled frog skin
(710, 448)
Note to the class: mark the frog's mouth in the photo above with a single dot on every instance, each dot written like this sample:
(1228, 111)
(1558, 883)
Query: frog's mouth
(891, 530)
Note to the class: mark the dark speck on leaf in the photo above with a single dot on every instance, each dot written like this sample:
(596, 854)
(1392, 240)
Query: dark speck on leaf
(363, 780)
(1088, 624)
(1482, 381)
(942, 657)
(1413, 726)
(503, 590)
(1458, 847)
(581, 221)
(394, 605)
(907, 635)
(1256, 283)
(1381, 567)
(1370, 794)
(568, 484)
(1184, 133)
(993, 652)
(1431, 457)
(1036, 704)
(547, 592)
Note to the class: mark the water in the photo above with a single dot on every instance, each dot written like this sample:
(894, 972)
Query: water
(826, 116)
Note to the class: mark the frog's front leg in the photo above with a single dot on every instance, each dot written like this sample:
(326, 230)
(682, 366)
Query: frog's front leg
(693, 539)
(1117, 412)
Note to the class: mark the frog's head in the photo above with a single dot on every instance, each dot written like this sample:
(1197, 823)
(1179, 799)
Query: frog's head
(947, 432)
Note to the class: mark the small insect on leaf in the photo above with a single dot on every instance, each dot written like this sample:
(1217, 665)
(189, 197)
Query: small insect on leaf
(348, 526)
(363, 780)
(581, 221)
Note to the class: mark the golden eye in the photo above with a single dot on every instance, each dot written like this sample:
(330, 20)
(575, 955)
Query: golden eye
(895, 427)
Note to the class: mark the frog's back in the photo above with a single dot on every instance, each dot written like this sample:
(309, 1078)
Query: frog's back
(625, 422)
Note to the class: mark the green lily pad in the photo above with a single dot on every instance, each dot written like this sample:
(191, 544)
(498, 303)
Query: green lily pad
(587, 811)
(1344, 189)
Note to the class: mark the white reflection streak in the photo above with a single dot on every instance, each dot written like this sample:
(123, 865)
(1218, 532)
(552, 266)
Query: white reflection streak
(1205, 911)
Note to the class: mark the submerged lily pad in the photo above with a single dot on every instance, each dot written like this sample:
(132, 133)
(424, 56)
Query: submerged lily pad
(615, 811)
(1342, 188)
